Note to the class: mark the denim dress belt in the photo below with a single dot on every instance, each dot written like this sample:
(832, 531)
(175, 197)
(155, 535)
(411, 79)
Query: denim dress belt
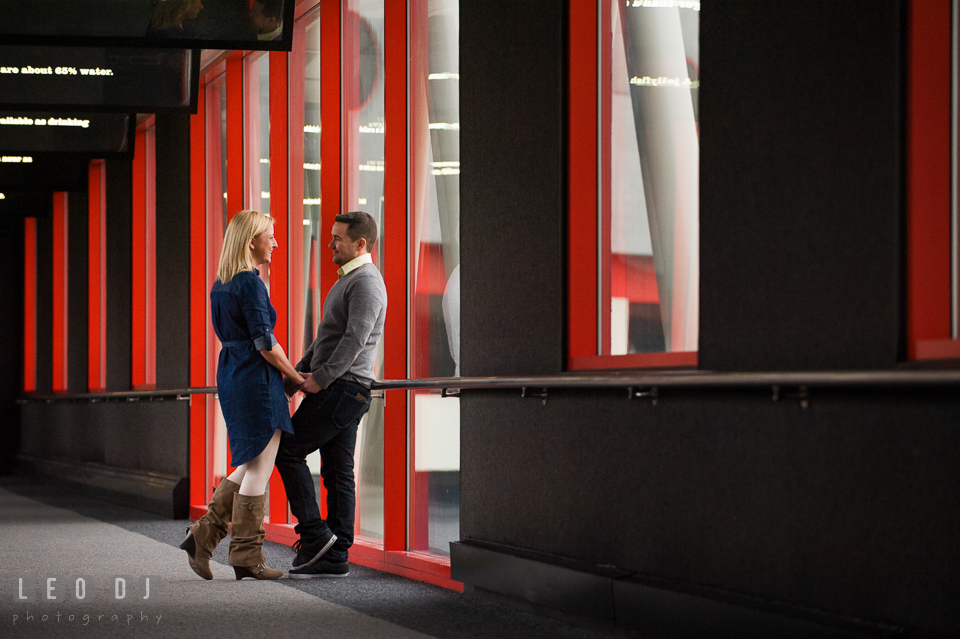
(242, 342)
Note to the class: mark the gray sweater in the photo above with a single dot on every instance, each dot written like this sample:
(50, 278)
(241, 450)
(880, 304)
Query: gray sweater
(350, 330)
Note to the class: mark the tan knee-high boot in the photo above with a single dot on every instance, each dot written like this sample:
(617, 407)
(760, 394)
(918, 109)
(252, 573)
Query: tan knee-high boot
(204, 535)
(246, 538)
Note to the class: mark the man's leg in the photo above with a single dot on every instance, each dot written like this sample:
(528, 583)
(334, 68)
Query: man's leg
(309, 434)
(336, 468)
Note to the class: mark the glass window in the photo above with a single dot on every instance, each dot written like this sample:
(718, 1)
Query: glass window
(363, 167)
(306, 240)
(435, 270)
(649, 160)
(256, 131)
(216, 206)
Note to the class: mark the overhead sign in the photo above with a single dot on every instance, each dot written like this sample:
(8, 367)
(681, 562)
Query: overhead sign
(179, 24)
(95, 78)
(44, 173)
(24, 134)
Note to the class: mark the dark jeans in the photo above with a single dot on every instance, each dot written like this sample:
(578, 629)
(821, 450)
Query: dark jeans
(327, 421)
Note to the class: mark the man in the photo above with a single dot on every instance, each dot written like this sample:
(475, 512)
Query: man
(267, 18)
(338, 368)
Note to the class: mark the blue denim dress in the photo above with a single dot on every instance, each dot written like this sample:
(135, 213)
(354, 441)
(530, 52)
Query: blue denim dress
(251, 390)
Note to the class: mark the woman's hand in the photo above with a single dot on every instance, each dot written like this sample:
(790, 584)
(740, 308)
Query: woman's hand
(290, 387)
(279, 360)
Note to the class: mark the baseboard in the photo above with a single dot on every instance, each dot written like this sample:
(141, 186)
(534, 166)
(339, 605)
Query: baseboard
(164, 495)
(639, 604)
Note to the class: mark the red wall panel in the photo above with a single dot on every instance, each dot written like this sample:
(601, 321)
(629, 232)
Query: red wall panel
(138, 265)
(30, 305)
(60, 292)
(928, 173)
(96, 277)
(395, 273)
(198, 301)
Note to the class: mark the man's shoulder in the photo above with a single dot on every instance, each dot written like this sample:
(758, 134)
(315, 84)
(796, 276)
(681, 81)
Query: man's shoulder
(367, 283)
(367, 274)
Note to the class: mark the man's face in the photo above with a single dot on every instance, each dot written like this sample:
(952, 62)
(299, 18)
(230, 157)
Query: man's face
(344, 249)
(261, 23)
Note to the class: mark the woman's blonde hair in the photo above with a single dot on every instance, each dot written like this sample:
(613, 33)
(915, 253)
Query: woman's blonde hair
(235, 256)
(169, 14)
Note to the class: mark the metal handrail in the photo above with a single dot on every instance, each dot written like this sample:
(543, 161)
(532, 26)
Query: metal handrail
(173, 393)
(685, 379)
(652, 379)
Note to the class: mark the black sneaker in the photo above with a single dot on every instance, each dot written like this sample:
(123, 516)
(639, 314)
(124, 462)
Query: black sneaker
(308, 551)
(322, 569)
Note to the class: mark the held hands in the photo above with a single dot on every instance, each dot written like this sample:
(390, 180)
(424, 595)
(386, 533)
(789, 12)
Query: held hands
(308, 385)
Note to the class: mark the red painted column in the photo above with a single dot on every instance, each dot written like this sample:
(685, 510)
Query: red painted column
(150, 258)
(419, 258)
(234, 175)
(60, 291)
(582, 224)
(280, 262)
(394, 271)
(198, 302)
(928, 173)
(97, 276)
(29, 305)
(138, 265)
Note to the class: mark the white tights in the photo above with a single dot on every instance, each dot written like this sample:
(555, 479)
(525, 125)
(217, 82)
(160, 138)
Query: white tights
(254, 475)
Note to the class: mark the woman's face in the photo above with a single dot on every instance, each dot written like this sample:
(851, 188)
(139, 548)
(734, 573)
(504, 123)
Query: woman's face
(262, 246)
(194, 10)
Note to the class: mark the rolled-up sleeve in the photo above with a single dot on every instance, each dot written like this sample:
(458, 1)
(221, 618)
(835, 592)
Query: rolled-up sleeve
(256, 310)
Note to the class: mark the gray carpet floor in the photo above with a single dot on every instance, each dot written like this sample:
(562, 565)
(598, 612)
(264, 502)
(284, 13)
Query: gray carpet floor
(47, 531)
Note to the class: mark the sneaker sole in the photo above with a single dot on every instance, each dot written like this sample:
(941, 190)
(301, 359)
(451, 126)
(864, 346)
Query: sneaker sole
(323, 551)
(324, 575)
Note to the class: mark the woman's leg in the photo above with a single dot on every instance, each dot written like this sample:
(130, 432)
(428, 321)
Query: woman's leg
(237, 475)
(246, 540)
(204, 535)
(258, 470)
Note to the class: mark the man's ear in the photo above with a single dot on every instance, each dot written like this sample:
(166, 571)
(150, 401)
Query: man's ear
(362, 243)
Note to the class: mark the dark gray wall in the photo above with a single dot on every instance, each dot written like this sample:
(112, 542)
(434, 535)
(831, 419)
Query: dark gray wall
(144, 437)
(848, 506)
(173, 250)
(78, 287)
(801, 185)
(45, 303)
(119, 263)
(11, 325)
(149, 437)
(512, 189)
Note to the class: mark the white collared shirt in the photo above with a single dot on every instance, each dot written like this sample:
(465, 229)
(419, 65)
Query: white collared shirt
(354, 264)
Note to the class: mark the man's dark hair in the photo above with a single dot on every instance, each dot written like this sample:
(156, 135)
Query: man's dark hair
(360, 224)
(271, 8)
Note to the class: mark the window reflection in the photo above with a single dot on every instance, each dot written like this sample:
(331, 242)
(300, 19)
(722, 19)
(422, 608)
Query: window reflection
(363, 170)
(435, 304)
(651, 173)
(216, 224)
(250, 25)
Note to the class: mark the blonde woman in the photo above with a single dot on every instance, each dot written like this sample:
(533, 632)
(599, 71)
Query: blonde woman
(252, 399)
(169, 15)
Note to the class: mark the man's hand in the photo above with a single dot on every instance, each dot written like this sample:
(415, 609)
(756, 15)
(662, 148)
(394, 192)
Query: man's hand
(289, 387)
(308, 385)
